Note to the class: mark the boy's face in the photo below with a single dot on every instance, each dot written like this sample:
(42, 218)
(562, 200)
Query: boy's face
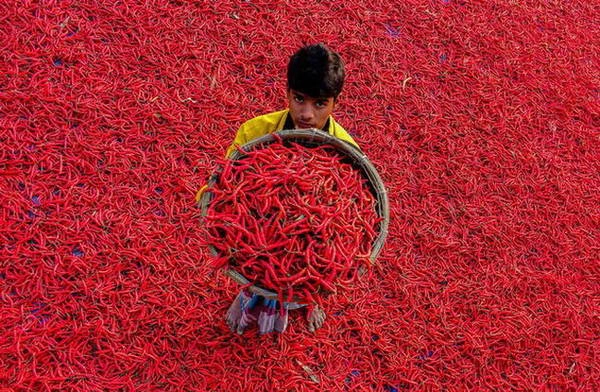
(307, 111)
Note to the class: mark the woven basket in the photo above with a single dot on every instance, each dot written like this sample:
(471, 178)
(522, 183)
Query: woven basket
(314, 138)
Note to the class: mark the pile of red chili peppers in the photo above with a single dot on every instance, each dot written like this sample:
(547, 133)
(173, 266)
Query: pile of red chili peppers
(292, 219)
(481, 118)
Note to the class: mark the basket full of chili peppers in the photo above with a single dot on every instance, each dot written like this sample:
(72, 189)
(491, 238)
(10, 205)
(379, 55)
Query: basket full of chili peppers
(295, 212)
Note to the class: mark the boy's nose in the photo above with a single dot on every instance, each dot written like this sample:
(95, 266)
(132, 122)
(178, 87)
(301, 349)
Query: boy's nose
(307, 113)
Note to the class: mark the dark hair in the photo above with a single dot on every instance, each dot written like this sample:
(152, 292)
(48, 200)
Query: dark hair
(317, 71)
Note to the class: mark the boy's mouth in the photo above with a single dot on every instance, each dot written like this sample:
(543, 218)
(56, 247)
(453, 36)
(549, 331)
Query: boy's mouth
(303, 125)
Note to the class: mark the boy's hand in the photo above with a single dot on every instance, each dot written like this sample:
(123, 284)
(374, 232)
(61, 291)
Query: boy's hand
(315, 317)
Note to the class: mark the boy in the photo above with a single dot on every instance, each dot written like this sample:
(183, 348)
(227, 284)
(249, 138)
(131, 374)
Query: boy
(315, 80)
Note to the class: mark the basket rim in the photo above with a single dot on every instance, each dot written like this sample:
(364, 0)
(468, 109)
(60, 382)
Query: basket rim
(359, 160)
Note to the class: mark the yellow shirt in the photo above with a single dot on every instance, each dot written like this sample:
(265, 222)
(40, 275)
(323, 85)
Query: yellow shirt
(273, 122)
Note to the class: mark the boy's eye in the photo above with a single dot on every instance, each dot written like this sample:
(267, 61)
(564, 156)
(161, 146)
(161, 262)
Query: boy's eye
(298, 98)
(321, 104)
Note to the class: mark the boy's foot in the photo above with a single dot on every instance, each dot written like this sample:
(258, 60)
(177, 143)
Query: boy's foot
(315, 318)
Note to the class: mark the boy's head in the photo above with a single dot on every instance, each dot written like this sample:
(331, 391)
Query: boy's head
(315, 80)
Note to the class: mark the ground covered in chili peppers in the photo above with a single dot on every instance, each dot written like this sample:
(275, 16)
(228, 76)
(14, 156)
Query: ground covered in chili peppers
(292, 219)
(481, 118)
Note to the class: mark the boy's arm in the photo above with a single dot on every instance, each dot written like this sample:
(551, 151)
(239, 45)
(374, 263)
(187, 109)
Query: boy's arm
(239, 140)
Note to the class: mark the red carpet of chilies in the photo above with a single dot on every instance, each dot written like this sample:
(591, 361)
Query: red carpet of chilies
(481, 117)
(292, 219)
